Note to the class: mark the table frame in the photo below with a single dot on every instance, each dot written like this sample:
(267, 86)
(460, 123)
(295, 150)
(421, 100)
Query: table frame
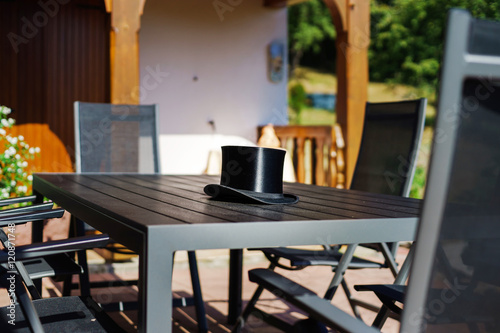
(155, 301)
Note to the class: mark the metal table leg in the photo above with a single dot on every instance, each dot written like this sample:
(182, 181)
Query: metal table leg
(235, 285)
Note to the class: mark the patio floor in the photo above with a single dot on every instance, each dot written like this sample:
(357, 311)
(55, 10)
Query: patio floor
(213, 267)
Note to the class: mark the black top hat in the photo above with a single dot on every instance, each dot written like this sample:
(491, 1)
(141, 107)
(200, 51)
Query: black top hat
(252, 174)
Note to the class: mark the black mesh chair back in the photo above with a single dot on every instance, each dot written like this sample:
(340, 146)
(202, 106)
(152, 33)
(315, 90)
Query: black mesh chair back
(386, 164)
(389, 147)
(460, 223)
(387, 157)
(116, 138)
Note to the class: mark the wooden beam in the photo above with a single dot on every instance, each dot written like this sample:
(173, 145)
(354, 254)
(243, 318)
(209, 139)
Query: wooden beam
(352, 22)
(281, 3)
(124, 49)
(275, 3)
(338, 10)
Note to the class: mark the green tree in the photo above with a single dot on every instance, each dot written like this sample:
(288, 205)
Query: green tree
(309, 23)
(407, 37)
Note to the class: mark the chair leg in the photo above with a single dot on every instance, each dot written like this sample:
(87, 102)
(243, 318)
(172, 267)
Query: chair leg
(240, 322)
(84, 277)
(82, 260)
(381, 317)
(348, 294)
(67, 285)
(338, 277)
(198, 297)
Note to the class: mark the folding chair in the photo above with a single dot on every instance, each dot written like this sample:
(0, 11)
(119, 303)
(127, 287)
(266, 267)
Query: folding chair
(386, 164)
(461, 207)
(27, 311)
(50, 266)
(17, 200)
(121, 139)
(471, 67)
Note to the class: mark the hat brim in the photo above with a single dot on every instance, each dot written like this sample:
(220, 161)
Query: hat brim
(217, 191)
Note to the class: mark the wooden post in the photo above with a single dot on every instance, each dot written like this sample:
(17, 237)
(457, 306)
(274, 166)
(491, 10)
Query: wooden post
(352, 23)
(124, 49)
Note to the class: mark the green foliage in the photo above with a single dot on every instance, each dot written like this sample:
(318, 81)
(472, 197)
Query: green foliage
(418, 185)
(407, 38)
(309, 23)
(297, 98)
(14, 179)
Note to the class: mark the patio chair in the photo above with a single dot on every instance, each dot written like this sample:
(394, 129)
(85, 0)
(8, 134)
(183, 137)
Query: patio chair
(386, 164)
(474, 139)
(27, 311)
(60, 264)
(454, 281)
(113, 138)
(17, 200)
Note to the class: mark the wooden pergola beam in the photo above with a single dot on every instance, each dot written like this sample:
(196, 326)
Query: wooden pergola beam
(352, 23)
(124, 49)
(281, 3)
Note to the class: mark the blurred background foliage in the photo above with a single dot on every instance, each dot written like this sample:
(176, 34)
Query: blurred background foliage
(406, 38)
(406, 42)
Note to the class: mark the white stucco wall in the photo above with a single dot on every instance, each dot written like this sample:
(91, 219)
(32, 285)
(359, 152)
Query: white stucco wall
(227, 53)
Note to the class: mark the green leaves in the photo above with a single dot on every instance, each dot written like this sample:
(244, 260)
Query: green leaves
(309, 23)
(407, 37)
(297, 98)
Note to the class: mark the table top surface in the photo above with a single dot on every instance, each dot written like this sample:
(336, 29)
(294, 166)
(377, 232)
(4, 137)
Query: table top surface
(148, 200)
(157, 215)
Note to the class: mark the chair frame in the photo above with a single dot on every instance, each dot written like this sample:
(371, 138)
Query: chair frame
(197, 299)
(458, 64)
(24, 284)
(388, 252)
(78, 153)
(405, 191)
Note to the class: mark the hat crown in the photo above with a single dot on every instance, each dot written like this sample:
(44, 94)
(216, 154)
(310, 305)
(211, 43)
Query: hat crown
(255, 169)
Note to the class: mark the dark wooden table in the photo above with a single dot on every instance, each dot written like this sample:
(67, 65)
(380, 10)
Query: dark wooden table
(157, 215)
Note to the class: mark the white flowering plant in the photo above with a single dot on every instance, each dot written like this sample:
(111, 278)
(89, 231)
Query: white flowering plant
(14, 156)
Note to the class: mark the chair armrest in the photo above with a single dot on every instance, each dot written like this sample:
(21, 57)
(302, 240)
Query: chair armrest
(387, 293)
(55, 247)
(26, 209)
(30, 216)
(318, 308)
(11, 201)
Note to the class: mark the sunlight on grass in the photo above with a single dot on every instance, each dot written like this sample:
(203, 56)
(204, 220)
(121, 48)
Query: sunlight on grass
(311, 116)
(315, 81)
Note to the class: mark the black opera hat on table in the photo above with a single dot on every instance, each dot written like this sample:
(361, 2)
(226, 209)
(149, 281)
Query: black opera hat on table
(251, 174)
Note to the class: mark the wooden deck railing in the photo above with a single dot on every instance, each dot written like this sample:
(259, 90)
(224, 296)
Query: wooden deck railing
(317, 153)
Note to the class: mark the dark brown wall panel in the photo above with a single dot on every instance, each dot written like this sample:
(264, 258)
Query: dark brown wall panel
(63, 57)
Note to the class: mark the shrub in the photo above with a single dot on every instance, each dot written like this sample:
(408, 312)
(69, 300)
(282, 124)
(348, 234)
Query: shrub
(15, 154)
(297, 98)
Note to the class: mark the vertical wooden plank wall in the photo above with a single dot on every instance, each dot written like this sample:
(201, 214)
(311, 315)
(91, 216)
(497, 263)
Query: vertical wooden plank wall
(51, 56)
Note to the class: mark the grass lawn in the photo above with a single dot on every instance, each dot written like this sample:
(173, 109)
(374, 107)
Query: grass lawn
(318, 82)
